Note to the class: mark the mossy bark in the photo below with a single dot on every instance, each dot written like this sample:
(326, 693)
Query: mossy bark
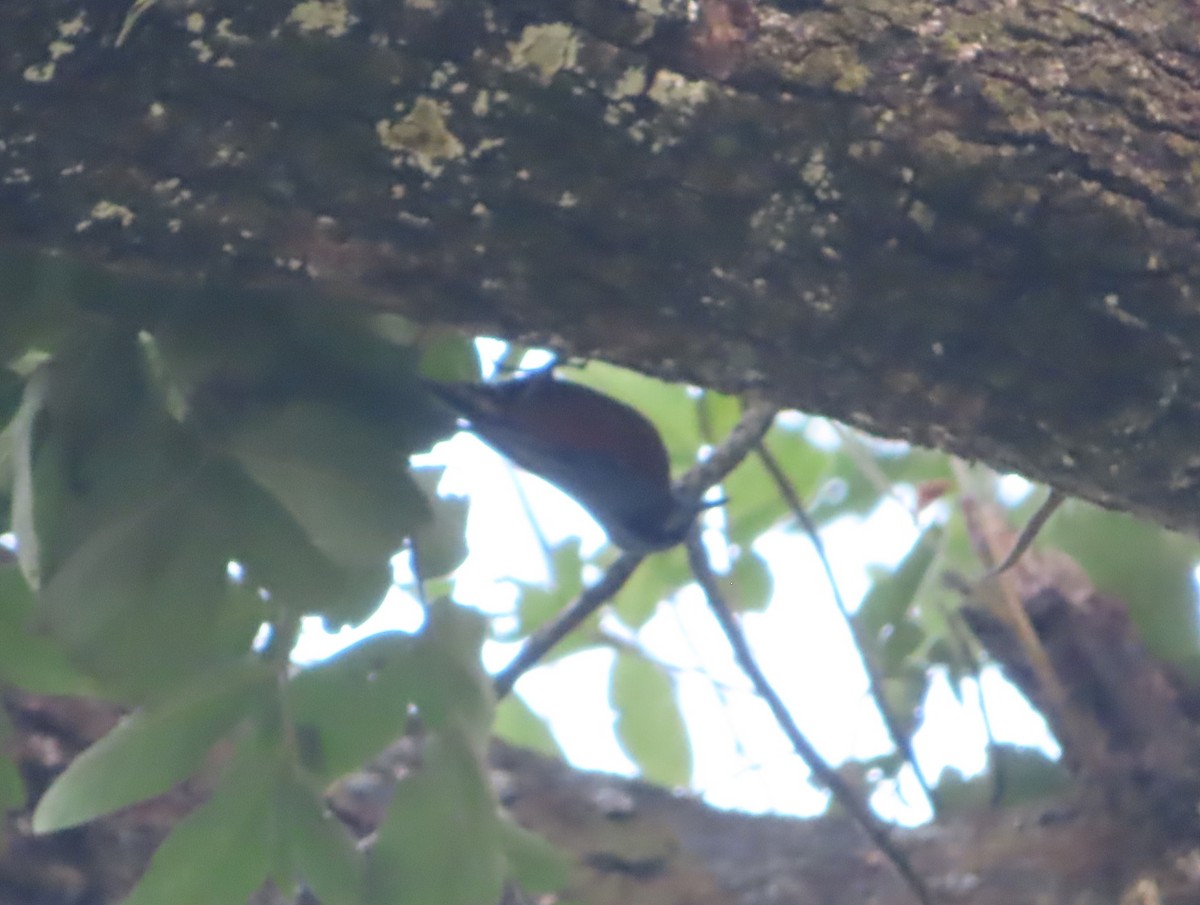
(973, 226)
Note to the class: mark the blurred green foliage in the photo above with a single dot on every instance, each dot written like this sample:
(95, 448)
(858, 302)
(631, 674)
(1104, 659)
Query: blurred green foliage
(186, 476)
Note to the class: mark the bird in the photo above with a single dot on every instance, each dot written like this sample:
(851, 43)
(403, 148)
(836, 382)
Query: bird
(603, 453)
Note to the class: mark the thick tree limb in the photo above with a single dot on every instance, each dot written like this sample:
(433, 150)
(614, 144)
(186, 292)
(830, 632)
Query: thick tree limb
(972, 226)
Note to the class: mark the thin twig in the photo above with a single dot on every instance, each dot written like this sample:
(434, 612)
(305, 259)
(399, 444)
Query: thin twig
(749, 430)
(756, 420)
(722, 690)
(854, 446)
(999, 594)
(1029, 532)
(619, 644)
(824, 773)
(541, 641)
(874, 680)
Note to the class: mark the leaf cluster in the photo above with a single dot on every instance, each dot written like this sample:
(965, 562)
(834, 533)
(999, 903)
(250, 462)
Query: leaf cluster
(183, 484)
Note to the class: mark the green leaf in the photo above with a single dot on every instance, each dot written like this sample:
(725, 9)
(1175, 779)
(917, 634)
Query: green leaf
(450, 357)
(221, 852)
(278, 555)
(12, 786)
(717, 415)
(535, 864)
(892, 595)
(1021, 775)
(348, 708)
(440, 544)
(343, 482)
(38, 292)
(441, 842)
(649, 725)
(29, 660)
(901, 642)
(904, 691)
(537, 605)
(657, 579)
(518, 725)
(1151, 569)
(449, 684)
(145, 601)
(322, 853)
(755, 503)
(93, 441)
(151, 750)
(21, 439)
(753, 582)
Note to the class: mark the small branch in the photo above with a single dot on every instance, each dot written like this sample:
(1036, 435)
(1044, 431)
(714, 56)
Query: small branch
(824, 773)
(621, 644)
(874, 680)
(756, 420)
(749, 430)
(1029, 532)
(999, 595)
(854, 446)
(541, 641)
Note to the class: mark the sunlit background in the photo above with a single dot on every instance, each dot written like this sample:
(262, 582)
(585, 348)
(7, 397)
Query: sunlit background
(741, 760)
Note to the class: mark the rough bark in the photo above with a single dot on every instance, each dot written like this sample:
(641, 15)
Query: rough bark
(969, 225)
(635, 844)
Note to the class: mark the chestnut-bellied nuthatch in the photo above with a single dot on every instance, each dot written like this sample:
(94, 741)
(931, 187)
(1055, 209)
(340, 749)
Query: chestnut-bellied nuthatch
(602, 452)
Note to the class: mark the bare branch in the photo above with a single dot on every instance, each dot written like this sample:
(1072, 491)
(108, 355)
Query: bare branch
(1029, 533)
(900, 738)
(754, 423)
(541, 641)
(824, 773)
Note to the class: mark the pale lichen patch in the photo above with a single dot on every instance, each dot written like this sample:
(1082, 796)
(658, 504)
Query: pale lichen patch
(631, 83)
(422, 136)
(485, 145)
(194, 23)
(547, 48)
(923, 216)
(204, 53)
(106, 210)
(225, 32)
(671, 89)
(332, 17)
(39, 72)
(817, 175)
(73, 28)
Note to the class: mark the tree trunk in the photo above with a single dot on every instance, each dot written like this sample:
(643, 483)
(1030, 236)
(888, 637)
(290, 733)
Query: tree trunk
(969, 225)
